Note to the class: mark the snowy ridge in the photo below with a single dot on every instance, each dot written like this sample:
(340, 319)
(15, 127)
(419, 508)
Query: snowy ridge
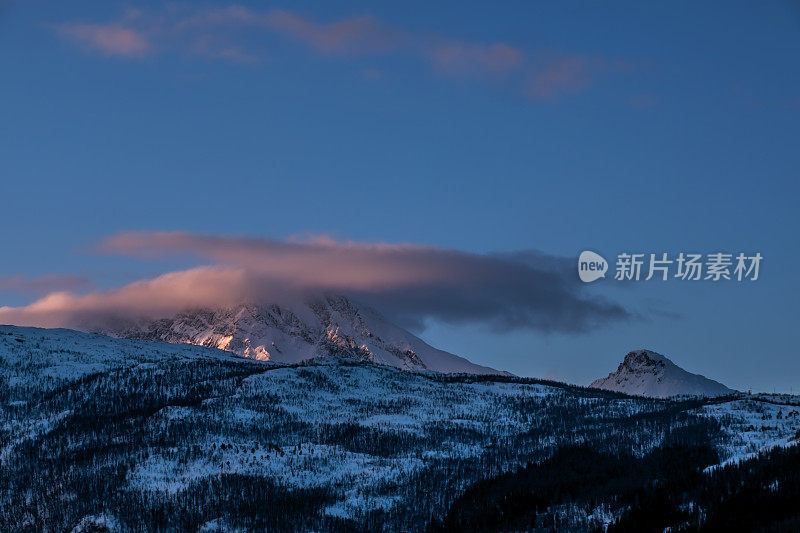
(647, 373)
(754, 424)
(49, 357)
(350, 437)
(326, 326)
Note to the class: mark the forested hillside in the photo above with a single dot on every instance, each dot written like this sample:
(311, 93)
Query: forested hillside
(101, 432)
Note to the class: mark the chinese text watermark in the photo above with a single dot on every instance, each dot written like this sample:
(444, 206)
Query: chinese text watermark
(716, 266)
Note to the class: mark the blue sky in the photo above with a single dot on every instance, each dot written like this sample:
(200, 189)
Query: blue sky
(468, 126)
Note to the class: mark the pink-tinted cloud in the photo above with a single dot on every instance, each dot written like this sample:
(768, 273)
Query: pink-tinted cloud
(410, 283)
(108, 39)
(315, 262)
(466, 58)
(160, 296)
(241, 34)
(221, 31)
(348, 36)
(211, 46)
(211, 33)
(561, 75)
(231, 16)
(43, 284)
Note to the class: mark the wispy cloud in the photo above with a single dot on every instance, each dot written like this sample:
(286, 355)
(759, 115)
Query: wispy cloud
(410, 283)
(563, 75)
(467, 58)
(242, 34)
(43, 284)
(108, 39)
(348, 36)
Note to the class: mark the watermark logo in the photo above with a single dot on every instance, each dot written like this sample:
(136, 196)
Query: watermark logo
(718, 266)
(591, 266)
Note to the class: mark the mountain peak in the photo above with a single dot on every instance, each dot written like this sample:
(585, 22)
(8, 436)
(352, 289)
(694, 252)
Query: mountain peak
(648, 373)
(644, 358)
(329, 325)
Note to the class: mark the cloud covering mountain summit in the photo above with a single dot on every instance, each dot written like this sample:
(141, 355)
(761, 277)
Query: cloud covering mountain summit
(409, 283)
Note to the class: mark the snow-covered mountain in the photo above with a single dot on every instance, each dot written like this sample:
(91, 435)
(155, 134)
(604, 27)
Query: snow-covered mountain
(121, 434)
(646, 373)
(325, 326)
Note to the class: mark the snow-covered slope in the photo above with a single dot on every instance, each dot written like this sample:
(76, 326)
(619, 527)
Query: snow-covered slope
(43, 358)
(112, 430)
(326, 326)
(646, 373)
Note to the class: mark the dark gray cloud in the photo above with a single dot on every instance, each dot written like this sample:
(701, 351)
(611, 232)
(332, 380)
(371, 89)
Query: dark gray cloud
(512, 291)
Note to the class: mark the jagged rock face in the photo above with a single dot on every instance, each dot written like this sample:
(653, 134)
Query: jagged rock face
(326, 326)
(647, 373)
(643, 361)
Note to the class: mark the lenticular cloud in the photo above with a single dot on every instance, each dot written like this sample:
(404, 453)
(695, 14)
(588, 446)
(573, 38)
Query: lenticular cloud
(409, 283)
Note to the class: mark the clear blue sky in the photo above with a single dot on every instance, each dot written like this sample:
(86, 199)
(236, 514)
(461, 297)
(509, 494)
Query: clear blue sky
(621, 126)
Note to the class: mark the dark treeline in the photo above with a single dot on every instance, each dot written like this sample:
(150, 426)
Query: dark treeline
(667, 489)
